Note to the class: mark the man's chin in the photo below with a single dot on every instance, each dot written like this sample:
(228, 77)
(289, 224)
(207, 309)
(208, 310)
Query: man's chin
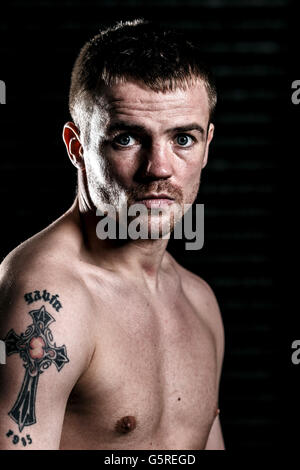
(153, 226)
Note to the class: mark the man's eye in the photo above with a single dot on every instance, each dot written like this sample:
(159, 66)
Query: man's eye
(184, 140)
(124, 140)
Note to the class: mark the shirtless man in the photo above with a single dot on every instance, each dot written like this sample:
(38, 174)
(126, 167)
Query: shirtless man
(112, 344)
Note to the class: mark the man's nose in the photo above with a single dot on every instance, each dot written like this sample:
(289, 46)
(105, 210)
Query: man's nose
(156, 163)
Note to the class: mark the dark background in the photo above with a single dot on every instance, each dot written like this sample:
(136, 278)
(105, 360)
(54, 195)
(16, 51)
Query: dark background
(250, 46)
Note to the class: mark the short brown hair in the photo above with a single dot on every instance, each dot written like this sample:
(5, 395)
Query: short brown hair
(164, 59)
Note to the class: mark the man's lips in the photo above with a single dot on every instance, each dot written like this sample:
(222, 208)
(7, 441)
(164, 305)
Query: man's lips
(155, 196)
(155, 200)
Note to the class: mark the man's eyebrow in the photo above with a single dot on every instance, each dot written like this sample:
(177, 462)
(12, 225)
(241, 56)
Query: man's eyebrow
(188, 127)
(125, 126)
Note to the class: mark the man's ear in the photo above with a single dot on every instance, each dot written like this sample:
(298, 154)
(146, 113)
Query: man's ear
(71, 138)
(210, 135)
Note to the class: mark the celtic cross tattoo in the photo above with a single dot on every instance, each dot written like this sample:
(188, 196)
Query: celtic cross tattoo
(38, 352)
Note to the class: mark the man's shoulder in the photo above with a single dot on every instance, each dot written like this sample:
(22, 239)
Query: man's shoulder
(196, 288)
(201, 295)
(44, 256)
(41, 269)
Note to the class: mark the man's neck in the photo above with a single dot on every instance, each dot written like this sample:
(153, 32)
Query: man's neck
(137, 259)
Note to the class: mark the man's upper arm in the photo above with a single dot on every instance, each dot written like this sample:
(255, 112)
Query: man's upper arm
(215, 439)
(41, 334)
(211, 312)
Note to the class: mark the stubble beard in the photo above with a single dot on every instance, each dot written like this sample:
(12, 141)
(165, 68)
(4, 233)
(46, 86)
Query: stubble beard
(155, 223)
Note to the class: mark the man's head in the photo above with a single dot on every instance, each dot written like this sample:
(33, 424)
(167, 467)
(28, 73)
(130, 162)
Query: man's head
(142, 102)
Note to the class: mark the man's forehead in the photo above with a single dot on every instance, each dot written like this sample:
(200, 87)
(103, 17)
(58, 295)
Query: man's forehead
(136, 99)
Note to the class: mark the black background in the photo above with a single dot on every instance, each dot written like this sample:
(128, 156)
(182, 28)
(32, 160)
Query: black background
(249, 186)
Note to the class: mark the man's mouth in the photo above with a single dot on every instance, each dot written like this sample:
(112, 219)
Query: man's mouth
(155, 200)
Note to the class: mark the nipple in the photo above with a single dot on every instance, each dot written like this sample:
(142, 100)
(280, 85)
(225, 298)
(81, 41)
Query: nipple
(126, 424)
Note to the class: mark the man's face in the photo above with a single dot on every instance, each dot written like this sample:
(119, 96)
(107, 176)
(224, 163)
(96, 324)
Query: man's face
(144, 144)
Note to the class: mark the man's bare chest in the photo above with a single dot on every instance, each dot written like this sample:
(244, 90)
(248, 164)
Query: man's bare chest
(152, 377)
